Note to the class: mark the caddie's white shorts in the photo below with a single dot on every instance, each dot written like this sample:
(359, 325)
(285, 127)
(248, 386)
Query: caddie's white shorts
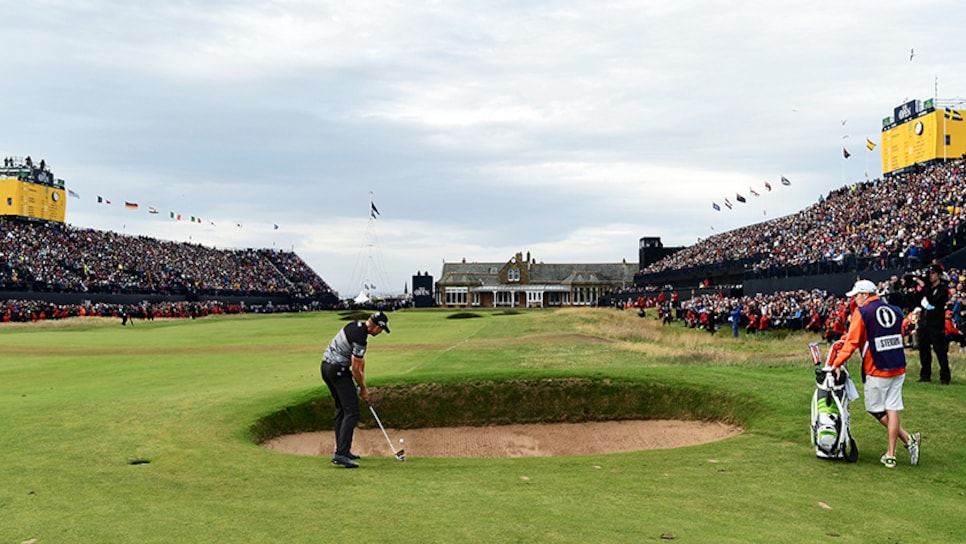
(883, 394)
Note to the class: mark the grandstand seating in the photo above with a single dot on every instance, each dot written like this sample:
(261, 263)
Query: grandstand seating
(45, 257)
(902, 221)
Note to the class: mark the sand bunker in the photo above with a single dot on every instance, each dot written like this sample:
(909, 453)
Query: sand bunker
(543, 440)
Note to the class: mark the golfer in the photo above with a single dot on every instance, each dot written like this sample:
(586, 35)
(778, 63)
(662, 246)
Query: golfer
(344, 361)
(875, 331)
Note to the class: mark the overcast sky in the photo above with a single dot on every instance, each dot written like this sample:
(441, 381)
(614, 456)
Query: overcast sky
(566, 129)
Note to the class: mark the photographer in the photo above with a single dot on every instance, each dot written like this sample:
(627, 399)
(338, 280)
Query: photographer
(932, 322)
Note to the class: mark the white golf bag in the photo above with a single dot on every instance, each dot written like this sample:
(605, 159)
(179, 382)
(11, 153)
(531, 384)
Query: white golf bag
(831, 426)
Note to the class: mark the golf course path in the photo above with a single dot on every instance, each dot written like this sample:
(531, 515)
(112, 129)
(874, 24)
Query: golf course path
(537, 440)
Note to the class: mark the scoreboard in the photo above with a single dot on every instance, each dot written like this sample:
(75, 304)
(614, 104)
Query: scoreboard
(25, 198)
(920, 134)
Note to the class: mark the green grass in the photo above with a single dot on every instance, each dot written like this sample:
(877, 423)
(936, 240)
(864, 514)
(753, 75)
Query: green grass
(81, 401)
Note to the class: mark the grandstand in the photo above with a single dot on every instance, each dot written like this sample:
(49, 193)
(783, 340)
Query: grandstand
(873, 228)
(44, 259)
(57, 262)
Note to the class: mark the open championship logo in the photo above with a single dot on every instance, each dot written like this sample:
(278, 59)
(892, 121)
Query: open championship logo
(885, 317)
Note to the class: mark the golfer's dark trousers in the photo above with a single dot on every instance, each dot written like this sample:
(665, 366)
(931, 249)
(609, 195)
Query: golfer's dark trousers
(343, 389)
(933, 339)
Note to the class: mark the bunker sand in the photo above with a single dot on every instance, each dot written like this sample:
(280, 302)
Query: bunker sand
(537, 440)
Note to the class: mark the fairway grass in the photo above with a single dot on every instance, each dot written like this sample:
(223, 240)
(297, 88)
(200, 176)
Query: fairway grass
(147, 434)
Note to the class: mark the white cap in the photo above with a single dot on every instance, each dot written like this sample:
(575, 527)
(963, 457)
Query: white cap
(862, 286)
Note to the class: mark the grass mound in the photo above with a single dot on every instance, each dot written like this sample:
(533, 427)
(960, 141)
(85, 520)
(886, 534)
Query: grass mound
(479, 403)
(463, 315)
(355, 315)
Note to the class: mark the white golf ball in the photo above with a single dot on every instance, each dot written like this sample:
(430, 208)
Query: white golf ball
(401, 441)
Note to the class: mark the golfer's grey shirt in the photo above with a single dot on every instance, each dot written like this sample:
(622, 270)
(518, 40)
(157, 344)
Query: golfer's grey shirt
(350, 341)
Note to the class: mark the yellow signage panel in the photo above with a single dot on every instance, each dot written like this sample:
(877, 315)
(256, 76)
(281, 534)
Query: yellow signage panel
(939, 134)
(32, 200)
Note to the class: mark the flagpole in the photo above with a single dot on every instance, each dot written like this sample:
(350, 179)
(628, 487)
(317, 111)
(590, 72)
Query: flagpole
(843, 168)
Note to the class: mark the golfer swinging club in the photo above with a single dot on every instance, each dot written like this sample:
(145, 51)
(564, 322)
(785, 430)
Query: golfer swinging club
(344, 361)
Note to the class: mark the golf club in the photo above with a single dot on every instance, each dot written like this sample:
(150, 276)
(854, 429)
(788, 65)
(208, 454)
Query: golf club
(401, 454)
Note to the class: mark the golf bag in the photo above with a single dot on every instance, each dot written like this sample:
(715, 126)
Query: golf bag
(831, 426)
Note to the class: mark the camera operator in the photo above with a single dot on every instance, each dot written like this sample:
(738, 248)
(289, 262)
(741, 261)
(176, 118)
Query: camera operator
(907, 291)
(932, 321)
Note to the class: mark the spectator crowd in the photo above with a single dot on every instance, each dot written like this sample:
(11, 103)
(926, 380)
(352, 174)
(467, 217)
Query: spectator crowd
(60, 258)
(816, 311)
(899, 221)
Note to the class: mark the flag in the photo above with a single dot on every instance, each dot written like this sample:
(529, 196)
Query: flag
(100, 199)
(740, 198)
(276, 227)
(768, 186)
(953, 115)
(199, 220)
(785, 181)
(70, 192)
(715, 206)
(374, 211)
(870, 144)
(172, 215)
(131, 205)
(753, 192)
(845, 153)
(192, 219)
(728, 203)
(152, 210)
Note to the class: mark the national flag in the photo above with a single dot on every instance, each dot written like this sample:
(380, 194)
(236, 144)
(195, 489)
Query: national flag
(192, 219)
(870, 144)
(845, 153)
(172, 215)
(728, 203)
(199, 220)
(753, 192)
(131, 205)
(100, 199)
(953, 115)
(785, 181)
(715, 206)
(70, 192)
(768, 186)
(740, 198)
(276, 227)
(152, 210)
(374, 211)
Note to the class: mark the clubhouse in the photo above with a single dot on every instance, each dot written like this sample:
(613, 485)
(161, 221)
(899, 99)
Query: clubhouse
(524, 283)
